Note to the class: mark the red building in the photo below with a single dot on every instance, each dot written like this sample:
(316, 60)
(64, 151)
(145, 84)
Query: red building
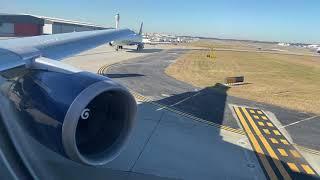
(27, 29)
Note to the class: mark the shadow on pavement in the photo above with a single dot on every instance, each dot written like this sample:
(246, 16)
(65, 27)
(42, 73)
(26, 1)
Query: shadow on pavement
(208, 103)
(213, 99)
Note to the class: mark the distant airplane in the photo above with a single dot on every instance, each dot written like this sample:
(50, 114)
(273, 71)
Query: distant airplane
(82, 116)
(132, 40)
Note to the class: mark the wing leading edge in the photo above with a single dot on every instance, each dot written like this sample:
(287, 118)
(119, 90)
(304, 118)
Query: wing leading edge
(17, 52)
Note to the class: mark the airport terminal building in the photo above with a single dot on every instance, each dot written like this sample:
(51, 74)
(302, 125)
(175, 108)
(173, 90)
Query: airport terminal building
(12, 25)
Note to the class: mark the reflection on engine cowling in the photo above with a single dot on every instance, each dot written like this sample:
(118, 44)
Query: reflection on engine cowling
(82, 116)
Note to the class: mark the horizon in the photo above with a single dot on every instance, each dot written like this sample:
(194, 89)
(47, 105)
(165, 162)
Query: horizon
(287, 21)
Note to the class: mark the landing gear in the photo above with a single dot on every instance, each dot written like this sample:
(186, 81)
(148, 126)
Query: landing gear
(119, 47)
(140, 47)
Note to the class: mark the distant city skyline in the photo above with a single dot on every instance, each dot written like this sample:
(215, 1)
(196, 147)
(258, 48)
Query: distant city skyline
(282, 21)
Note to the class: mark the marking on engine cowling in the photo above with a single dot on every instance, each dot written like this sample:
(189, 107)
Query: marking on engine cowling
(85, 114)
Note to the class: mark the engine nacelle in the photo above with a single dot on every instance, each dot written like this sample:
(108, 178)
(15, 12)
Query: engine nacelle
(82, 116)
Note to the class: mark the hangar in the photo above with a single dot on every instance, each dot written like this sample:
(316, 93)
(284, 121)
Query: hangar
(32, 25)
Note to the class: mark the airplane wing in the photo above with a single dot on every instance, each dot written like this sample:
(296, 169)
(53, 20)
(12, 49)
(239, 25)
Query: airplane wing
(81, 116)
(16, 52)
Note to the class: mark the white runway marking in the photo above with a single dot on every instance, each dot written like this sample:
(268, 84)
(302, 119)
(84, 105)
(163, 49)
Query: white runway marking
(165, 95)
(299, 121)
(179, 102)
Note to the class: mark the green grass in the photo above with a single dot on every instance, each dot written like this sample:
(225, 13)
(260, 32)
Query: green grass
(285, 80)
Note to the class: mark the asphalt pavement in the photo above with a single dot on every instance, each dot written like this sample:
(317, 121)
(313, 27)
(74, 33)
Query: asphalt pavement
(146, 76)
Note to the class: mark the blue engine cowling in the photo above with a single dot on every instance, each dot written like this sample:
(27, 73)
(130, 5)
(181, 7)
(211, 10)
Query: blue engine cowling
(82, 116)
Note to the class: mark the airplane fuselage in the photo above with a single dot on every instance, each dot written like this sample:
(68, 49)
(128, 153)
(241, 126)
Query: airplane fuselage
(134, 39)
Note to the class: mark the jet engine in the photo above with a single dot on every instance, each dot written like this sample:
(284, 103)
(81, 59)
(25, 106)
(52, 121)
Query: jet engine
(82, 116)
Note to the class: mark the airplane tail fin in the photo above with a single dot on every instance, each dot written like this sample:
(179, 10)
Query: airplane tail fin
(140, 31)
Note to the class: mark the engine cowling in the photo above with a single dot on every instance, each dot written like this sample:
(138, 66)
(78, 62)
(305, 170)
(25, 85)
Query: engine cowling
(82, 116)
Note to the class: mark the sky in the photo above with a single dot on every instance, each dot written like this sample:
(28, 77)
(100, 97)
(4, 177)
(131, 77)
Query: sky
(269, 20)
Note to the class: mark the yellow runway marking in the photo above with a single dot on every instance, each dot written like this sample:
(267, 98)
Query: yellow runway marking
(271, 152)
(256, 146)
(261, 123)
(285, 161)
(259, 112)
(269, 124)
(282, 152)
(295, 153)
(266, 131)
(274, 141)
(276, 132)
(293, 167)
(285, 142)
(308, 169)
(256, 117)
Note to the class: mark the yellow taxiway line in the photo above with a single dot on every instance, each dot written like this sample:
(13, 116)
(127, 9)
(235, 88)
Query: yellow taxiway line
(283, 160)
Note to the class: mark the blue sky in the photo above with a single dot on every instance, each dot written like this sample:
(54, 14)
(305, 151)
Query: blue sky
(270, 20)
